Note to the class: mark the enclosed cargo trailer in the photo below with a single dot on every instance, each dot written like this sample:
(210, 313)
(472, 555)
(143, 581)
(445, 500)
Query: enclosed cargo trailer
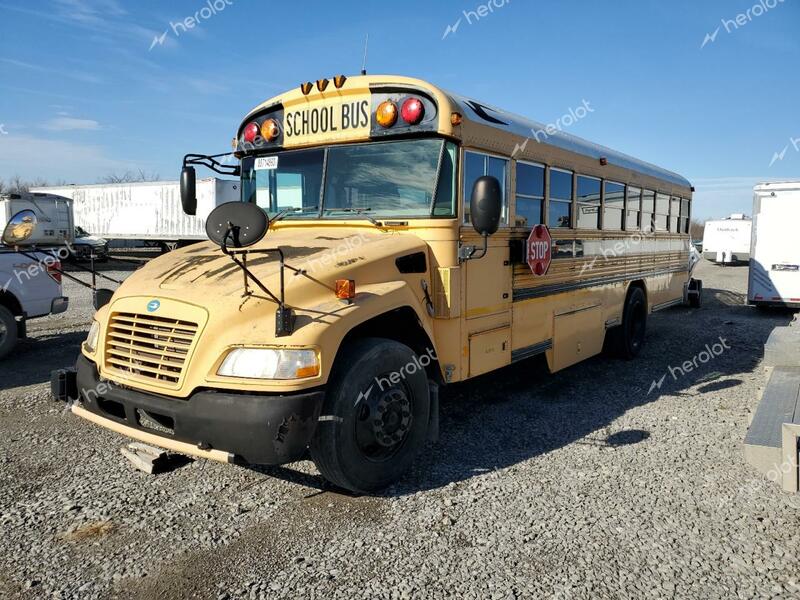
(147, 211)
(727, 241)
(774, 278)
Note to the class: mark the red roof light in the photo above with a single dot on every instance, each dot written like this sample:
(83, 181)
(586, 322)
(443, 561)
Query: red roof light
(412, 111)
(250, 132)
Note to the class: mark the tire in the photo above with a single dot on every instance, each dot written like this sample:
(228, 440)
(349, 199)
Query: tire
(354, 450)
(696, 300)
(627, 340)
(8, 332)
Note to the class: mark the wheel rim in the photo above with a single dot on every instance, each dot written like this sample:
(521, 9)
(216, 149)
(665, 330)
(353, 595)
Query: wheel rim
(383, 422)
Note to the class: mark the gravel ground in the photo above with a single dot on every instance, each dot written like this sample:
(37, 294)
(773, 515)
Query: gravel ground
(575, 485)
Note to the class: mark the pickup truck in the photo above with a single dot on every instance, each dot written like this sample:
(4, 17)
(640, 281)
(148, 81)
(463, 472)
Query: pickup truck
(30, 287)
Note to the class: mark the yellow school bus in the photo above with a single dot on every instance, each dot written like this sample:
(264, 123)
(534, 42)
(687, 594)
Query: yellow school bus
(391, 238)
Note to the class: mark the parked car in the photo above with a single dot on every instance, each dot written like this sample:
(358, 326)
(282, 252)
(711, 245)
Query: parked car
(30, 281)
(85, 245)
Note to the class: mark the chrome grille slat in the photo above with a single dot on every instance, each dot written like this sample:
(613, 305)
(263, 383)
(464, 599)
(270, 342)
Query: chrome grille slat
(148, 347)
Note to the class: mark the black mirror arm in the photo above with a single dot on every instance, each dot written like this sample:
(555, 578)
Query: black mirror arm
(242, 264)
(469, 252)
(210, 162)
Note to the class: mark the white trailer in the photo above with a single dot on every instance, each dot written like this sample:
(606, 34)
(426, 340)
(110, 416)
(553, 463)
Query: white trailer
(775, 264)
(727, 241)
(146, 211)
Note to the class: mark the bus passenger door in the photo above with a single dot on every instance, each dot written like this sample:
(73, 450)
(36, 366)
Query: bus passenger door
(488, 310)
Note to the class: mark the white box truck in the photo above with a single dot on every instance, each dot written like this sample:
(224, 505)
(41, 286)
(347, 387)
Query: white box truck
(774, 278)
(727, 241)
(30, 279)
(55, 225)
(146, 211)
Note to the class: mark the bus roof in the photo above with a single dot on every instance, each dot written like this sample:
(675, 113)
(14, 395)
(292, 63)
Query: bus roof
(534, 130)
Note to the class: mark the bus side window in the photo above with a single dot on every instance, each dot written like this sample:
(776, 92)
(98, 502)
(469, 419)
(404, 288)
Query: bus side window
(684, 215)
(674, 214)
(477, 165)
(662, 212)
(633, 206)
(613, 206)
(560, 198)
(530, 195)
(588, 202)
(648, 210)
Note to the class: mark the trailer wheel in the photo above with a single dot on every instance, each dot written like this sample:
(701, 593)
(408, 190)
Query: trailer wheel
(626, 340)
(8, 331)
(374, 418)
(696, 293)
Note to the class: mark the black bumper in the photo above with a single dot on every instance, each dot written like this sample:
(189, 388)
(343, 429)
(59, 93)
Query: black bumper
(256, 428)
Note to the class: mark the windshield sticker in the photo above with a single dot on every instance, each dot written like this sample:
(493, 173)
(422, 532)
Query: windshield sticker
(264, 163)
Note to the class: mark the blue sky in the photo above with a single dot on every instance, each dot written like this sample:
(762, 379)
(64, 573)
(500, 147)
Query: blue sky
(85, 91)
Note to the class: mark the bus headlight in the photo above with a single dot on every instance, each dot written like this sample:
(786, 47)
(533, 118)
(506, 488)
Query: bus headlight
(270, 363)
(91, 340)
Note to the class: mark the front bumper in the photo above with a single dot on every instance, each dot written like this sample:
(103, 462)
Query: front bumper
(255, 428)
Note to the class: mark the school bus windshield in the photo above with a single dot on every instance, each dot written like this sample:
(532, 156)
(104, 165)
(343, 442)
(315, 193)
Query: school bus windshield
(400, 179)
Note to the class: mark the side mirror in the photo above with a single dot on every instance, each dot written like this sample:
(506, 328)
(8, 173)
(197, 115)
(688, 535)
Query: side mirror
(189, 190)
(102, 296)
(20, 227)
(236, 224)
(486, 205)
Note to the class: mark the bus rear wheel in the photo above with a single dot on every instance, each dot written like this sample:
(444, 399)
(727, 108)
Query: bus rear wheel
(375, 416)
(628, 339)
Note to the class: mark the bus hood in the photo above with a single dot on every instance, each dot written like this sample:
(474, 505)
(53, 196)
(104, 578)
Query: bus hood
(322, 254)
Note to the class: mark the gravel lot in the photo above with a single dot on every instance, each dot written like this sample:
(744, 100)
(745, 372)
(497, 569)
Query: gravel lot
(575, 485)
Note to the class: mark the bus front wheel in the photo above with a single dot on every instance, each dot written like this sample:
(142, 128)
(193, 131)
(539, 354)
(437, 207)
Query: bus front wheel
(375, 416)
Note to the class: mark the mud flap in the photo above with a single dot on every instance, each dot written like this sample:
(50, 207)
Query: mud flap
(64, 385)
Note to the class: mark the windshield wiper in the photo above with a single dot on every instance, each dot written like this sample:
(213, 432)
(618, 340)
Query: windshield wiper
(361, 212)
(288, 211)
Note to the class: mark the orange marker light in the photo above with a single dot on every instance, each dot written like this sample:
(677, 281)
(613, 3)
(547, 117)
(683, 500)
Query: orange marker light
(386, 114)
(307, 371)
(270, 130)
(306, 87)
(456, 118)
(345, 289)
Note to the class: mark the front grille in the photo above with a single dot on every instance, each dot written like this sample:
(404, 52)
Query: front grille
(148, 347)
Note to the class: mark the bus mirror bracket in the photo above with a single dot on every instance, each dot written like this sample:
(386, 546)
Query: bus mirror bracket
(189, 176)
